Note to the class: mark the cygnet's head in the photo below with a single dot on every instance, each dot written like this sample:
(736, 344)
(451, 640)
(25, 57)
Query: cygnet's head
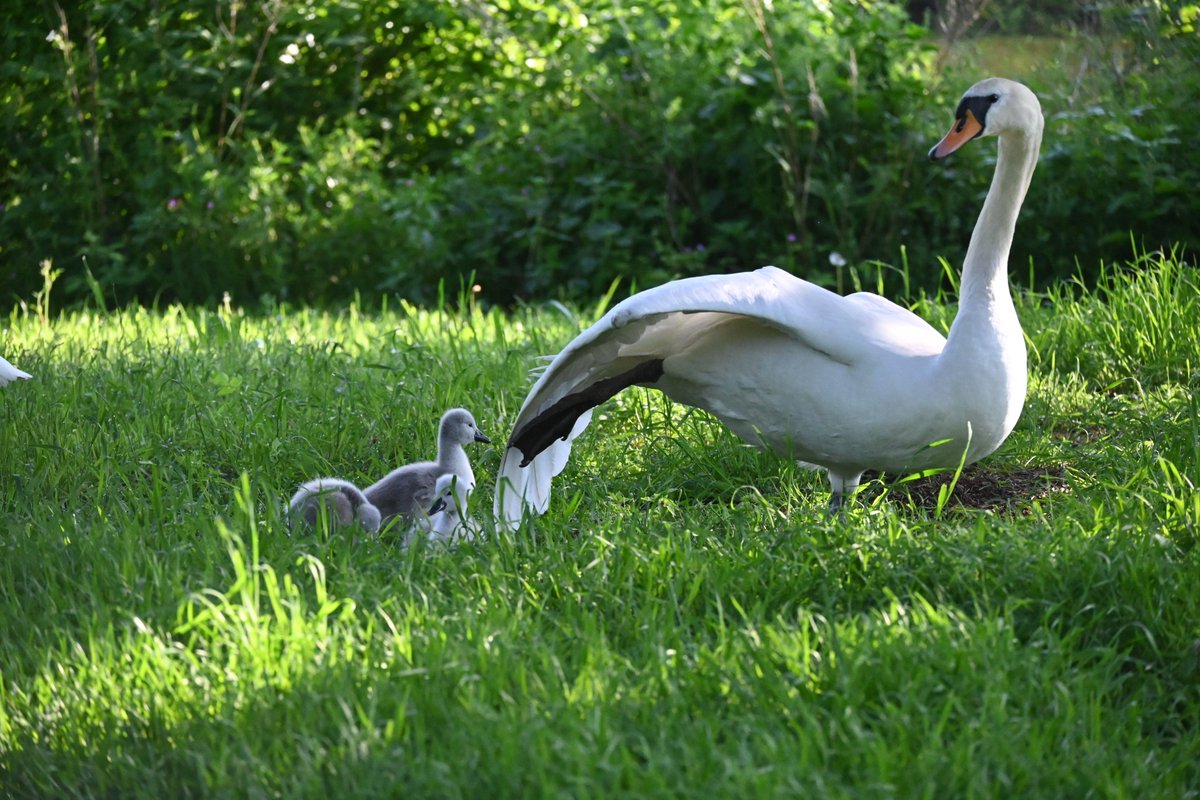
(989, 108)
(448, 516)
(368, 517)
(458, 426)
(449, 493)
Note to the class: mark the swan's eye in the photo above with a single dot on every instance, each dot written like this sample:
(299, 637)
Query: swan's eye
(992, 98)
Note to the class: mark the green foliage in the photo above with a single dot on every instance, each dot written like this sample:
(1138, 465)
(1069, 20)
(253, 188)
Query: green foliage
(307, 151)
(685, 151)
(1116, 167)
(685, 622)
(197, 149)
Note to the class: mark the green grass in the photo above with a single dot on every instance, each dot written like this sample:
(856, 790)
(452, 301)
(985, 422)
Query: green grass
(685, 621)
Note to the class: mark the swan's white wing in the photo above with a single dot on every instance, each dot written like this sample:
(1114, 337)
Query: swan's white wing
(628, 345)
(9, 373)
(660, 321)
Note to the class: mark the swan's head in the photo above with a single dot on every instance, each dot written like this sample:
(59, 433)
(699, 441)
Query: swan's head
(990, 108)
(459, 426)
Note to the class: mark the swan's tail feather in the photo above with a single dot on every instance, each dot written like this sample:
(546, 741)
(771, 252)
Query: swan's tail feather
(558, 420)
(521, 488)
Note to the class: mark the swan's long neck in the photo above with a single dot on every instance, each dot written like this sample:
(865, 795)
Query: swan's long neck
(985, 303)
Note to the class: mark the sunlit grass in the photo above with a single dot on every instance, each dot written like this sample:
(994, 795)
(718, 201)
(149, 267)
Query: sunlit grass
(686, 621)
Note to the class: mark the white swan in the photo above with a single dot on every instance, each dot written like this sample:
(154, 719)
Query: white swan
(9, 373)
(407, 492)
(845, 383)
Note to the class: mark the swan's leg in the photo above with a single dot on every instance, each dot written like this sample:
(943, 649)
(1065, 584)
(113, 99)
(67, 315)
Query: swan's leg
(843, 488)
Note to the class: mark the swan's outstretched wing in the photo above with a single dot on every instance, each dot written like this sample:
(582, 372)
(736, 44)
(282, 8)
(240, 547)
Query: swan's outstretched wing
(630, 344)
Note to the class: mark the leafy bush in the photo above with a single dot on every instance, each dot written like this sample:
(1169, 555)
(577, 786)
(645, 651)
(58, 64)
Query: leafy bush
(1116, 165)
(1123, 162)
(761, 138)
(306, 151)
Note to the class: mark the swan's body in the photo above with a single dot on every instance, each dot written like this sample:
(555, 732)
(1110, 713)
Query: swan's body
(344, 504)
(845, 383)
(9, 373)
(407, 492)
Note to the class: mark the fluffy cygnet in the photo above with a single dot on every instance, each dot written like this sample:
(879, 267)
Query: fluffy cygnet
(406, 493)
(344, 503)
(450, 523)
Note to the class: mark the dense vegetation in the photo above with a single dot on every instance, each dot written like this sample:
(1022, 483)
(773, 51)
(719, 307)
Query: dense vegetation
(309, 151)
(685, 622)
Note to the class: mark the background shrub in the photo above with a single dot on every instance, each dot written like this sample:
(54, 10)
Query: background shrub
(305, 151)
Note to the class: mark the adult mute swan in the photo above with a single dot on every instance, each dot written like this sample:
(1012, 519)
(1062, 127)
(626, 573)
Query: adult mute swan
(845, 383)
(9, 373)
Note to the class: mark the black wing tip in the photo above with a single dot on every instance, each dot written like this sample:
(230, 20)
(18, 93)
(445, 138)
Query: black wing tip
(556, 422)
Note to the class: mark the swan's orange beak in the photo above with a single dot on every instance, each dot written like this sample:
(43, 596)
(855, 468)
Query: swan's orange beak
(964, 130)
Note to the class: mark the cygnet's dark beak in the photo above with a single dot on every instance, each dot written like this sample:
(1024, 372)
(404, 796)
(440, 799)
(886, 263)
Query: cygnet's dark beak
(437, 506)
(479, 437)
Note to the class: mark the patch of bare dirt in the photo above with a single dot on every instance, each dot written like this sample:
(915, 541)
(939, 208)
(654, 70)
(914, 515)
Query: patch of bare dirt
(1006, 492)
